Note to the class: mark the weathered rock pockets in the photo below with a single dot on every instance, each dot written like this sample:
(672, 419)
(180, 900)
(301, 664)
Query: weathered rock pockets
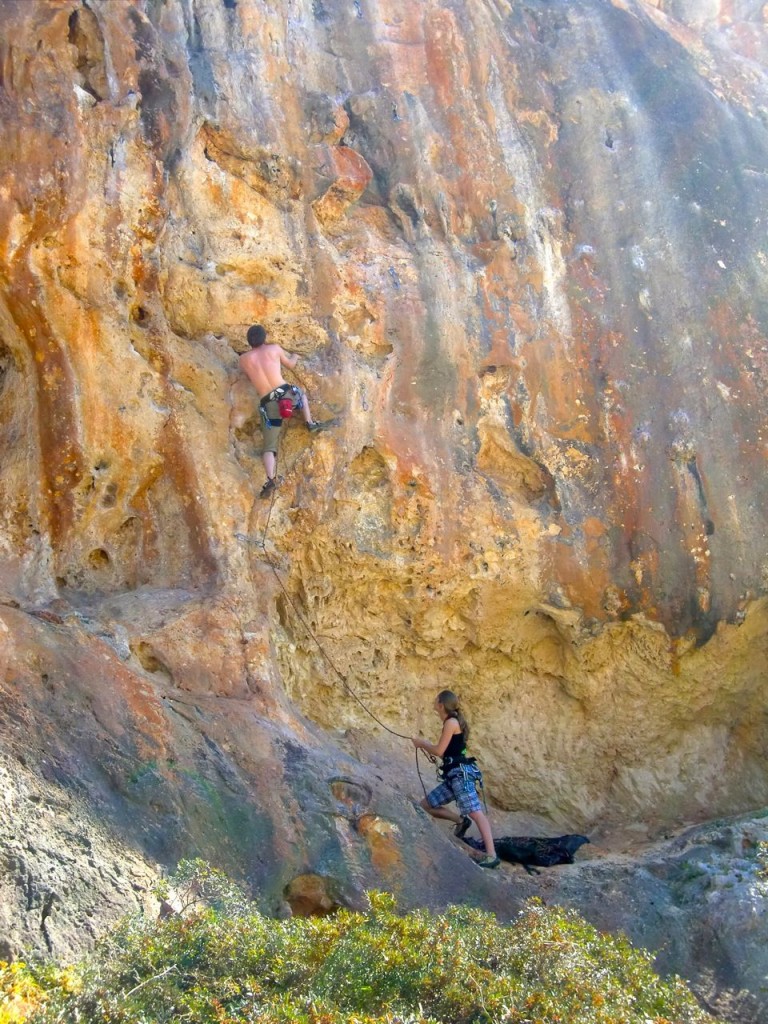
(520, 251)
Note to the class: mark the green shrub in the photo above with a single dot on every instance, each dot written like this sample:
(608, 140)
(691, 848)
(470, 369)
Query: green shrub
(216, 966)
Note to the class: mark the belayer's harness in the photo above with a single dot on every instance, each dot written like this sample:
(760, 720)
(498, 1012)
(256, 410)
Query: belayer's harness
(451, 763)
(466, 767)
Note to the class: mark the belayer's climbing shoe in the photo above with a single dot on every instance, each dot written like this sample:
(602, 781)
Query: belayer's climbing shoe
(463, 827)
(488, 862)
(268, 487)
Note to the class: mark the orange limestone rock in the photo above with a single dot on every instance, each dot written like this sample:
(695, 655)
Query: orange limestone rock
(520, 248)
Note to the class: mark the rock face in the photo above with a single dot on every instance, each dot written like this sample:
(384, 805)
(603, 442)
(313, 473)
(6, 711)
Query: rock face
(521, 249)
(702, 891)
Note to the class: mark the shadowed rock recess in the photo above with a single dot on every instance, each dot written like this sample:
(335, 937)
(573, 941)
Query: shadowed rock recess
(521, 248)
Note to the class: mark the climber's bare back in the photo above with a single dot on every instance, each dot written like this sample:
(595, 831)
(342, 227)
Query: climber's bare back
(262, 366)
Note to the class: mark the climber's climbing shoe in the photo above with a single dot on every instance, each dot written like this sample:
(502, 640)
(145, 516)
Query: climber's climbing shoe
(268, 488)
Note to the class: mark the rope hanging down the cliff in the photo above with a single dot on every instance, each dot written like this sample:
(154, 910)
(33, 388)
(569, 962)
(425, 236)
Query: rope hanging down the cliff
(311, 632)
(320, 647)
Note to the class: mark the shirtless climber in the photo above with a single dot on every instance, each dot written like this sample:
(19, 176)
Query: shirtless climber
(262, 367)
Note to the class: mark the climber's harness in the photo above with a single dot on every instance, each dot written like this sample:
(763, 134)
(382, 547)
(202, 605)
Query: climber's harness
(287, 398)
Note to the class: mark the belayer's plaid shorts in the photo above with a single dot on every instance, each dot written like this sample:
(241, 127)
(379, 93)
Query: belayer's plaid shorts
(460, 785)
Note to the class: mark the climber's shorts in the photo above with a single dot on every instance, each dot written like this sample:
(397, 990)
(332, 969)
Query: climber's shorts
(460, 785)
(271, 421)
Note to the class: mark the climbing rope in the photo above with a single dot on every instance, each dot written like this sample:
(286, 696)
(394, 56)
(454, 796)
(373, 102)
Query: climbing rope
(320, 647)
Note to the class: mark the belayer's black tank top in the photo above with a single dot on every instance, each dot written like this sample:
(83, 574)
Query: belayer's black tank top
(455, 747)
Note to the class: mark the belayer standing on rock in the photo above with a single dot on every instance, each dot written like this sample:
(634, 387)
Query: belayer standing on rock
(460, 775)
(278, 400)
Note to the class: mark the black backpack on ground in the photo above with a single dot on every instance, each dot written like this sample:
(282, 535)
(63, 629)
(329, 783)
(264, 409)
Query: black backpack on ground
(541, 851)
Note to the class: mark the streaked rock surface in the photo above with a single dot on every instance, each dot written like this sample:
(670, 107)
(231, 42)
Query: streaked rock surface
(521, 247)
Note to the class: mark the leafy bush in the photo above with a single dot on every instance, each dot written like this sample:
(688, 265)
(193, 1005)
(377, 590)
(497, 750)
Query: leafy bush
(213, 966)
(24, 989)
(196, 885)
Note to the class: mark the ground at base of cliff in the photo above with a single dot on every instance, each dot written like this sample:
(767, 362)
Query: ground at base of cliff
(219, 960)
(695, 899)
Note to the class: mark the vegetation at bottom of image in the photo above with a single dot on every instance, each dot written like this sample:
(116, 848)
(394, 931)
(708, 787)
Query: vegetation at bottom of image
(218, 961)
